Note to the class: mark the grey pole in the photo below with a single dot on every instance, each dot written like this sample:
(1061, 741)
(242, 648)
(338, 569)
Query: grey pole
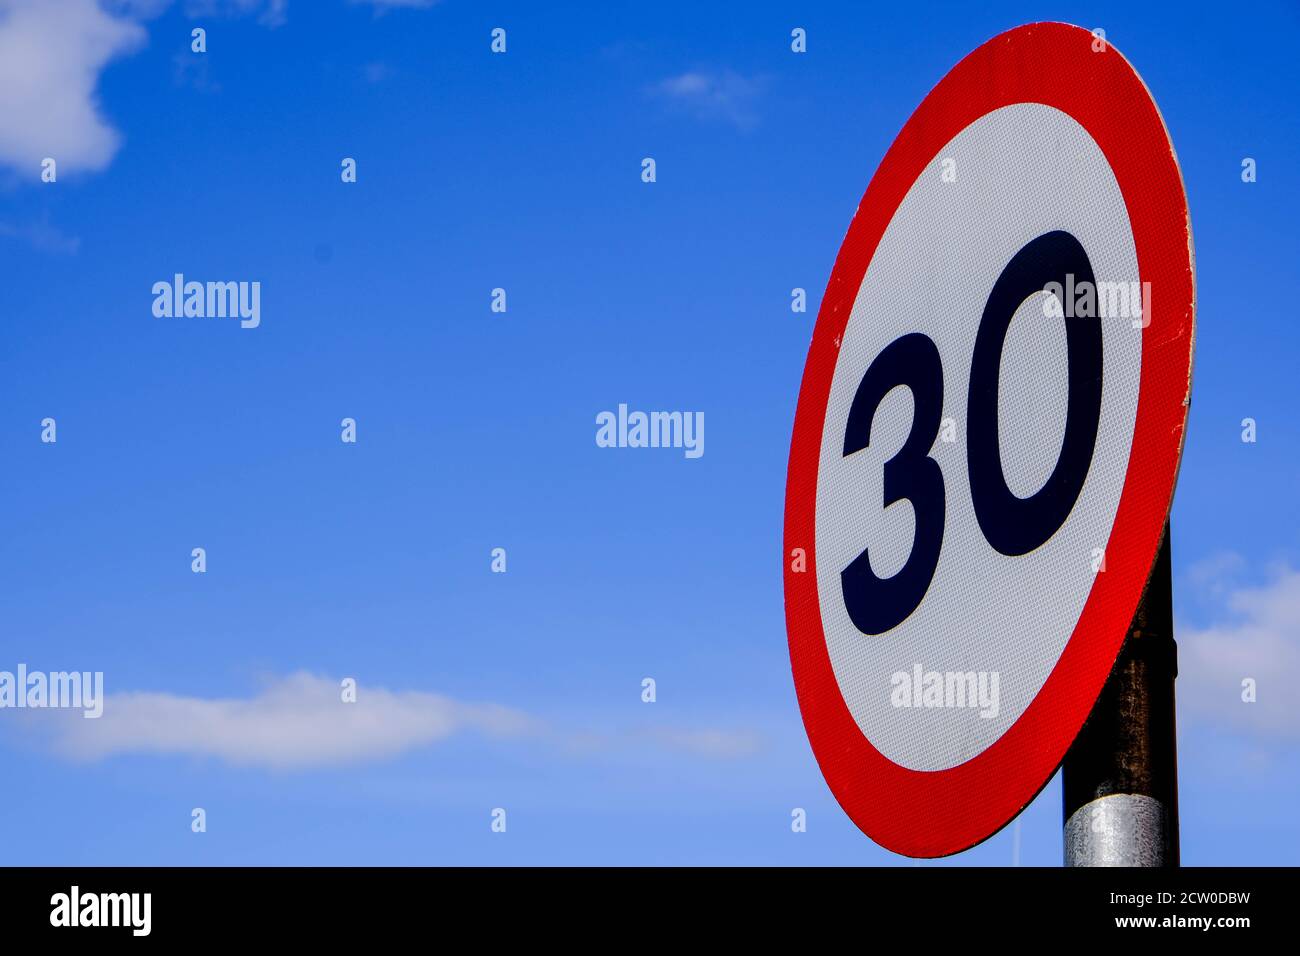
(1121, 774)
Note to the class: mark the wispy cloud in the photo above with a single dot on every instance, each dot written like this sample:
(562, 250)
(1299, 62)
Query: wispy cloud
(41, 236)
(271, 13)
(193, 71)
(724, 96)
(298, 722)
(301, 722)
(1214, 576)
(51, 55)
(1259, 640)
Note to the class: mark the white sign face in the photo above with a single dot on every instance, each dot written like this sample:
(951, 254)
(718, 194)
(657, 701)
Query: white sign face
(977, 615)
(988, 435)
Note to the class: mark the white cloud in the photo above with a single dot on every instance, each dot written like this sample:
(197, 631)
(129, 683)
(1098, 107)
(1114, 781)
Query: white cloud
(300, 722)
(1261, 641)
(1214, 576)
(724, 95)
(297, 722)
(271, 13)
(137, 9)
(51, 55)
(42, 236)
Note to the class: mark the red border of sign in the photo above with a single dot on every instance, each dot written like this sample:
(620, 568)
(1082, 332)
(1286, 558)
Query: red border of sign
(935, 813)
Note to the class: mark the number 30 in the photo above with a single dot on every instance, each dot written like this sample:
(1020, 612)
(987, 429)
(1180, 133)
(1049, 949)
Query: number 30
(1011, 525)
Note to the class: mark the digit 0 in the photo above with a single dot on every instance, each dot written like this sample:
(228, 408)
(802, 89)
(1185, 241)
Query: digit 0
(1016, 526)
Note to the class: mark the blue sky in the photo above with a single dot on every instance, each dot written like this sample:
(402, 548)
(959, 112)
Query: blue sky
(475, 430)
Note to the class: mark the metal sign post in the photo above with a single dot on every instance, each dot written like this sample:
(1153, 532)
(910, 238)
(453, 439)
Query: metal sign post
(1121, 775)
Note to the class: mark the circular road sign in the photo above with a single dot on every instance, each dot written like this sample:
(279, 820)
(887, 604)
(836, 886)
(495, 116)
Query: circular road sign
(987, 437)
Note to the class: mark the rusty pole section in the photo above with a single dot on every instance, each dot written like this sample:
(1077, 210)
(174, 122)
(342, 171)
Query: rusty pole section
(1121, 775)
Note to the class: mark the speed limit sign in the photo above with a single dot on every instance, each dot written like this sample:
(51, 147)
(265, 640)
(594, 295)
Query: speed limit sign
(987, 437)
